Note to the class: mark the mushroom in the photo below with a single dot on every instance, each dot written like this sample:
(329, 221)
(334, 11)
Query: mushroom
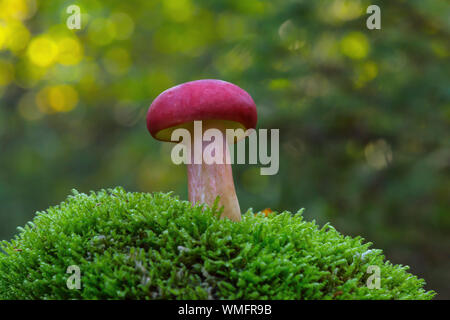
(220, 105)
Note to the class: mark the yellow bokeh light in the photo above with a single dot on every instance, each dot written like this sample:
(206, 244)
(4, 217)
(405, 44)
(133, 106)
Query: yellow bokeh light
(63, 98)
(3, 34)
(6, 72)
(343, 10)
(14, 36)
(70, 51)
(43, 51)
(440, 49)
(355, 45)
(17, 9)
(178, 10)
(59, 98)
(19, 37)
(279, 84)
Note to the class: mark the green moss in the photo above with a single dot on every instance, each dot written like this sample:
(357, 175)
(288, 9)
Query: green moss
(155, 246)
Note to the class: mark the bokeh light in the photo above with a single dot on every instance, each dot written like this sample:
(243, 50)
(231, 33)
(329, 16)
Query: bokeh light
(43, 51)
(355, 45)
(58, 98)
(70, 51)
(17, 9)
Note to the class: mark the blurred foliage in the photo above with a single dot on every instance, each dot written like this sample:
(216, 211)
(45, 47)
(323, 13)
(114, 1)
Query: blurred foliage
(363, 114)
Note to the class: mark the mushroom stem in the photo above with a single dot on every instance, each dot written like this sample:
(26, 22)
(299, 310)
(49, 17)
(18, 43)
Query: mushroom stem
(207, 181)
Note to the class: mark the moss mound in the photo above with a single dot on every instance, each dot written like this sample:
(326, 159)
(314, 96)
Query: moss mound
(155, 246)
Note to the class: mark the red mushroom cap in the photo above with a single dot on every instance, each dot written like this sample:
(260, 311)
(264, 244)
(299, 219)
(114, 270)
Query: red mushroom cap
(200, 100)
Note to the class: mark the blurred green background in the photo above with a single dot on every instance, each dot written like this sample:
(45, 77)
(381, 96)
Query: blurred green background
(363, 114)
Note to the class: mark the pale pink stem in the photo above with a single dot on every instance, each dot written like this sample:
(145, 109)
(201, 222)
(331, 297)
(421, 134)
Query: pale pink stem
(207, 181)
